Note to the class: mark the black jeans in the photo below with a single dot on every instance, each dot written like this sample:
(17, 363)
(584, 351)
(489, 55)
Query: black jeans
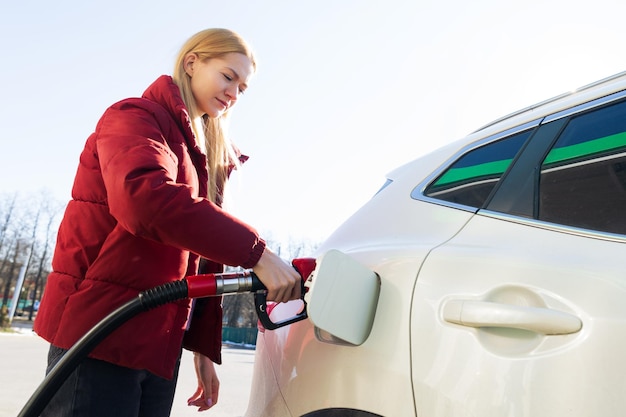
(101, 389)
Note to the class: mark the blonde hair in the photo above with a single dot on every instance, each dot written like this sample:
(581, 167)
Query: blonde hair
(210, 132)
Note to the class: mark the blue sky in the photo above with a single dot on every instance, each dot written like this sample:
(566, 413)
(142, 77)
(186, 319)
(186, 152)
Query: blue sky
(346, 90)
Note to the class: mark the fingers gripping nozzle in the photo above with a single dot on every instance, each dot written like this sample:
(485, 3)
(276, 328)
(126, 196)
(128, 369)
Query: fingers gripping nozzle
(305, 267)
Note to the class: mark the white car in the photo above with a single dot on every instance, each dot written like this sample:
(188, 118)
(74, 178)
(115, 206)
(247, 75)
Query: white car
(501, 263)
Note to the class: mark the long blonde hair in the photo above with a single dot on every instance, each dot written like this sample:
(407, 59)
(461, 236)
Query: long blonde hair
(210, 132)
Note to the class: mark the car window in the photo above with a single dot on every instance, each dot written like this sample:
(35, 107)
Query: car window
(472, 177)
(583, 177)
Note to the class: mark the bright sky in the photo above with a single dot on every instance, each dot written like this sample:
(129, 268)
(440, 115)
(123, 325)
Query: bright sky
(346, 91)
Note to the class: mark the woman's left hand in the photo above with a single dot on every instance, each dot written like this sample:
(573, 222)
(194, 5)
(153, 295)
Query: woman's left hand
(206, 395)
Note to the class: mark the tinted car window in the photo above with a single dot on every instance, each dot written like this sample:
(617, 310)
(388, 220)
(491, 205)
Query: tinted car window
(472, 177)
(583, 177)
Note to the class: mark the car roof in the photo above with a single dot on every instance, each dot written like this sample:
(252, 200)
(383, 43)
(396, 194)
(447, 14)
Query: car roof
(595, 90)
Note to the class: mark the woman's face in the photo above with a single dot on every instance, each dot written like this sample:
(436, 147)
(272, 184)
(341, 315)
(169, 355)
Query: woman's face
(217, 83)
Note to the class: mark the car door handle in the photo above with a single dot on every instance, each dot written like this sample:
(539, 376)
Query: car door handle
(542, 320)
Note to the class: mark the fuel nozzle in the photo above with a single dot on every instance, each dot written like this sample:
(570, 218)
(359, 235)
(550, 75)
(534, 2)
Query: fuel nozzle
(207, 285)
(305, 267)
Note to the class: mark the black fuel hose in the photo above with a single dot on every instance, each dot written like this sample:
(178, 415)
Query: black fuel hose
(146, 300)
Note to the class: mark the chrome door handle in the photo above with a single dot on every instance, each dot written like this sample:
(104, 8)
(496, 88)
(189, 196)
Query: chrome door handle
(491, 314)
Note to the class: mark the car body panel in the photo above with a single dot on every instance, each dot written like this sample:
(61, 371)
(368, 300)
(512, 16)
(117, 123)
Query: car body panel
(537, 375)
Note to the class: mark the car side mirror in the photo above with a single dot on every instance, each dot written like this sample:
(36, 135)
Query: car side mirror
(342, 299)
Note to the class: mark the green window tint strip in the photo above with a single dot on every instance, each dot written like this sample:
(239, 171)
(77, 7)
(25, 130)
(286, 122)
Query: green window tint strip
(488, 169)
(591, 147)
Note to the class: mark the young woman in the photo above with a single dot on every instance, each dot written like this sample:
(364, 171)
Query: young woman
(145, 210)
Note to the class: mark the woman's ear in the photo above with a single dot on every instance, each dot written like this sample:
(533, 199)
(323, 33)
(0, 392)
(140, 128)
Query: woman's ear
(188, 62)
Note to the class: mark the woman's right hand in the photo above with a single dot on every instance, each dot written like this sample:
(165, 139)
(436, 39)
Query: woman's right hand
(281, 279)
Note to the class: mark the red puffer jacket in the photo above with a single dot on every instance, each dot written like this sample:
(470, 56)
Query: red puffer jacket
(138, 218)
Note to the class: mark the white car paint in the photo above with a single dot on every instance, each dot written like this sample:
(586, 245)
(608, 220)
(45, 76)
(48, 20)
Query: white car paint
(428, 357)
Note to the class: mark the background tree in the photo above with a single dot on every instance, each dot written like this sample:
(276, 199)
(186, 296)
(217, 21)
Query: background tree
(23, 243)
(51, 209)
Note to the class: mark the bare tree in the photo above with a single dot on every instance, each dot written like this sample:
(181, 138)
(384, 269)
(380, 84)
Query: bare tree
(19, 224)
(238, 310)
(51, 209)
(43, 261)
(7, 219)
(4, 233)
(19, 220)
(13, 269)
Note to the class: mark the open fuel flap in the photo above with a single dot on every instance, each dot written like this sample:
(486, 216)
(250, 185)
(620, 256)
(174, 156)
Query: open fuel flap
(342, 299)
